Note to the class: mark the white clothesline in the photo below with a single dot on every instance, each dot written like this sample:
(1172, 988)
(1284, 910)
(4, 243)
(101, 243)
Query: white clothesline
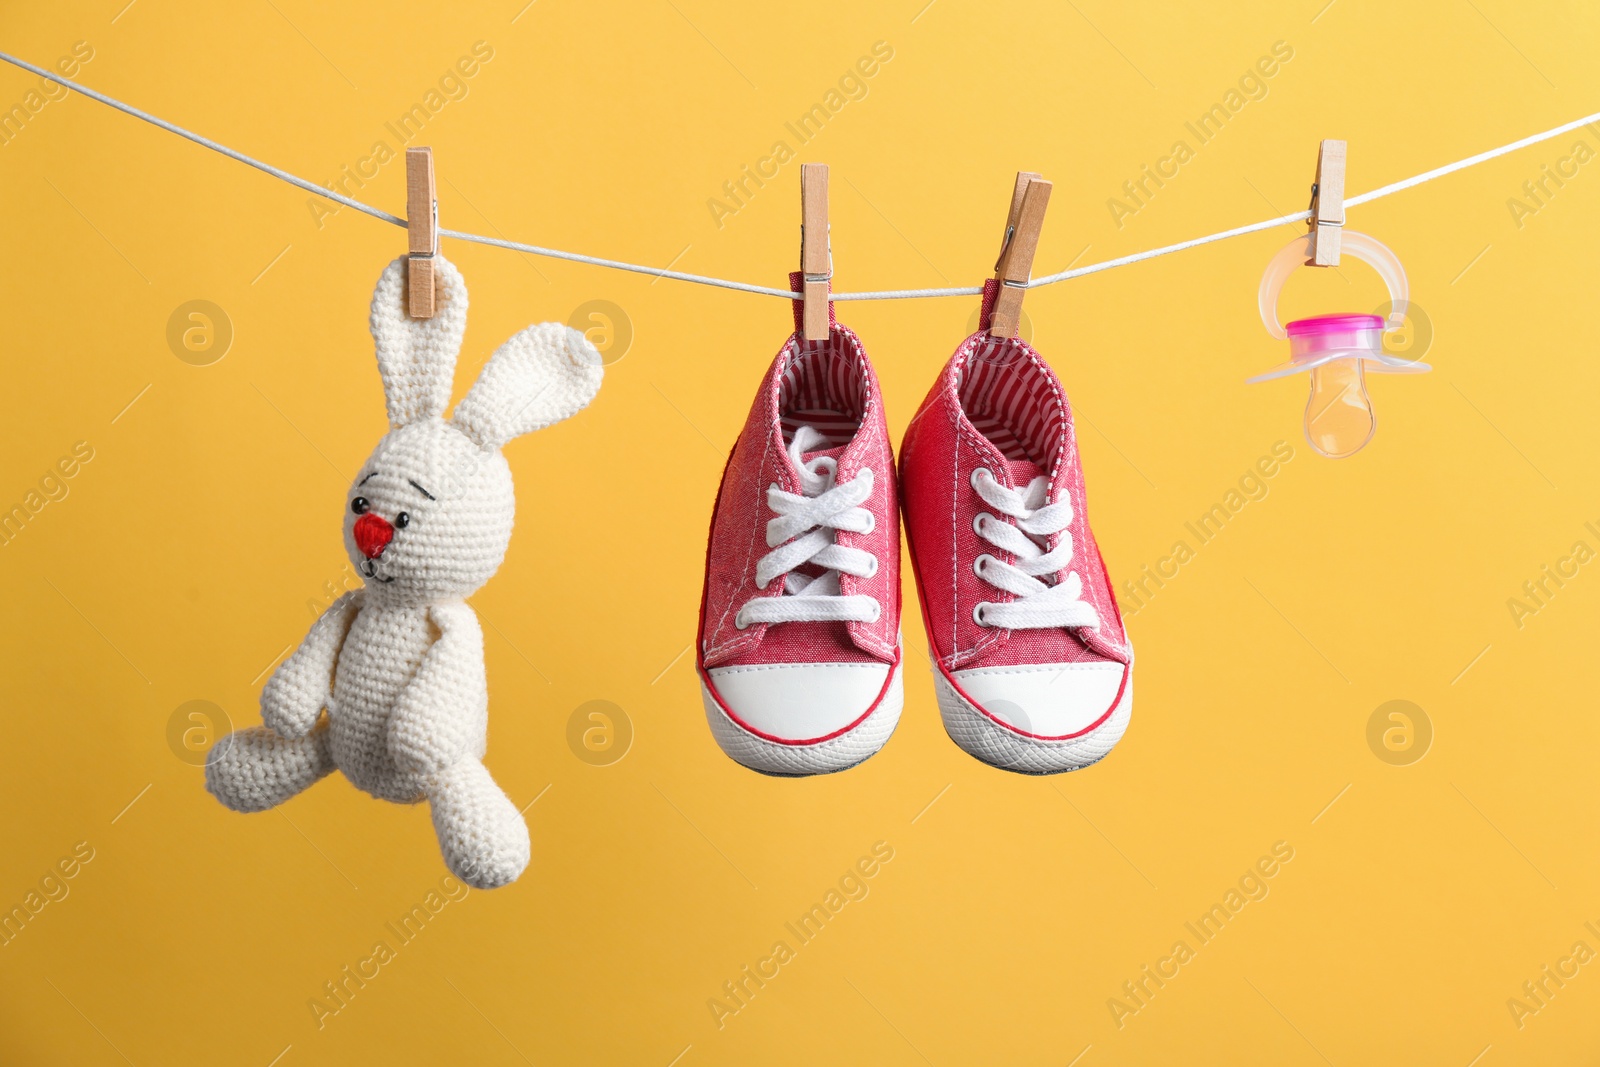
(746, 287)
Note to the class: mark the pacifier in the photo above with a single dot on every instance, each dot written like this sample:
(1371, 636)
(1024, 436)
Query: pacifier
(1338, 350)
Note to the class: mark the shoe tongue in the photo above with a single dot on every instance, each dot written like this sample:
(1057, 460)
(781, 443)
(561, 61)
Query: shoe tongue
(1023, 471)
(833, 453)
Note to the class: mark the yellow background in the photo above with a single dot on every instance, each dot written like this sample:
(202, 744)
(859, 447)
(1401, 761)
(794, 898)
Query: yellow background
(179, 566)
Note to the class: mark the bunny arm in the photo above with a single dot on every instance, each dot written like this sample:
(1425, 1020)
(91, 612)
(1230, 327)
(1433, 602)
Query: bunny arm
(298, 690)
(442, 713)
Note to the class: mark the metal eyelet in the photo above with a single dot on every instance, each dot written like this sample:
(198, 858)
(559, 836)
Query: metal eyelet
(740, 622)
(872, 523)
(978, 564)
(874, 571)
(977, 522)
(977, 613)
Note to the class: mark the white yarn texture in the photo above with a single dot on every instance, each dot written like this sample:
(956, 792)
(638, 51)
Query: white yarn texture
(398, 665)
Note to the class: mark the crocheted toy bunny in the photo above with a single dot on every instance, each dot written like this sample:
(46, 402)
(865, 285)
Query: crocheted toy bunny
(398, 664)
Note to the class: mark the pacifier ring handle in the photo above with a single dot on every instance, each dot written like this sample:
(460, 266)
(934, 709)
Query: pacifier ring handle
(1367, 249)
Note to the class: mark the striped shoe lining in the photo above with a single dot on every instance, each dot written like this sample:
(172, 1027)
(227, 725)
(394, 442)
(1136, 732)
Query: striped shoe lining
(1009, 401)
(822, 386)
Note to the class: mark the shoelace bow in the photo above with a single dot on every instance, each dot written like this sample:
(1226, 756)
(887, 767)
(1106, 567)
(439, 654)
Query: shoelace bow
(804, 531)
(1037, 605)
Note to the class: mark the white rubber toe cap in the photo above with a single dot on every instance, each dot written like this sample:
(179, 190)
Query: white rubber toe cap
(799, 703)
(1045, 700)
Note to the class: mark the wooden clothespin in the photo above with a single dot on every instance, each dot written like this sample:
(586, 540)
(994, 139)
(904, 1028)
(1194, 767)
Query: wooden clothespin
(1014, 268)
(1327, 205)
(816, 249)
(422, 227)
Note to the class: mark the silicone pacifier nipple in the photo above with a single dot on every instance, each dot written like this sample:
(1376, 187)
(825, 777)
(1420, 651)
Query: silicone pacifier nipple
(1339, 418)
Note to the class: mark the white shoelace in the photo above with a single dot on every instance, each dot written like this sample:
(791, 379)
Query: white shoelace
(804, 532)
(1037, 605)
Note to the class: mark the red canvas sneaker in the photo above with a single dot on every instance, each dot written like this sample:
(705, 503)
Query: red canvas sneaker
(1031, 665)
(799, 645)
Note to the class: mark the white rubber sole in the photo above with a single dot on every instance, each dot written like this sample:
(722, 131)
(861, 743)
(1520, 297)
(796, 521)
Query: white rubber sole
(984, 739)
(822, 757)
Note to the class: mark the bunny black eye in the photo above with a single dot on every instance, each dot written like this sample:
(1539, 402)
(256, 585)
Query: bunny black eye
(359, 505)
(402, 520)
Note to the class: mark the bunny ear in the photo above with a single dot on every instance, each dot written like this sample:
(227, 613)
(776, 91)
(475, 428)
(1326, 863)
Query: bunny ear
(544, 374)
(417, 357)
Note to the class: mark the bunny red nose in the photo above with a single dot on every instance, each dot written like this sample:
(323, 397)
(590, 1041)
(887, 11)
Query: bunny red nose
(373, 532)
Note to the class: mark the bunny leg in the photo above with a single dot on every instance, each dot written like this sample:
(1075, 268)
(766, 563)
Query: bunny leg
(258, 768)
(481, 833)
